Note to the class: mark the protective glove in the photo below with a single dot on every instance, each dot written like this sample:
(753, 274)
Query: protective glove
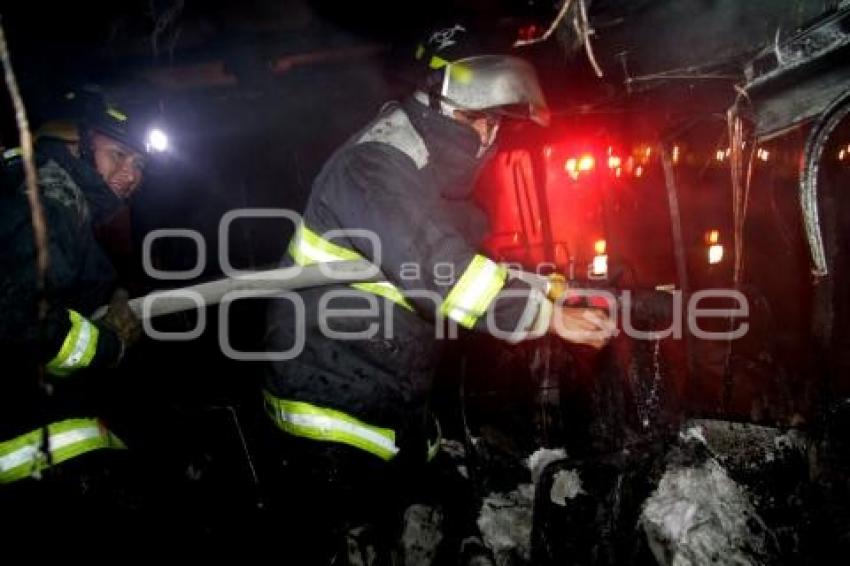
(121, 320)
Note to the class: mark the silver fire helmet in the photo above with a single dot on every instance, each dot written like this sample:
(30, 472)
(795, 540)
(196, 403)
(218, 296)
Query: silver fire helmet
(502, 84)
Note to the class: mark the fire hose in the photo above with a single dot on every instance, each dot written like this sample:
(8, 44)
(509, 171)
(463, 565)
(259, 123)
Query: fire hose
(269, 283)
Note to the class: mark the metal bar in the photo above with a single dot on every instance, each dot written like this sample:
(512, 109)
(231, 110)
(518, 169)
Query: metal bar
(678, 248)
(818, 137)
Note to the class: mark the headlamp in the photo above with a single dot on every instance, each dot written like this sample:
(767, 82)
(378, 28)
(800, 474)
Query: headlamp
(156, 141)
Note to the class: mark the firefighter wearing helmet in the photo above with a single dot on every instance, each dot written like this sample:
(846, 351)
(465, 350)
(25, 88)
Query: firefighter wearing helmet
(351, 411)
(55, 453)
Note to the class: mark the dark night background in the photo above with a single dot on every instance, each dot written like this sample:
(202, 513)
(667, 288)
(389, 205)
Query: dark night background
(255, 95)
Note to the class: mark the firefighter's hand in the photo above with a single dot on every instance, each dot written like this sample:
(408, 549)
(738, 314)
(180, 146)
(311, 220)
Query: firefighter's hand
(121, 320)
(587, 326)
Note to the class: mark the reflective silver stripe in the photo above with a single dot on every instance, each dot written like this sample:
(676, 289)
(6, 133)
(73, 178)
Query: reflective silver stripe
(469, 301)
(30, 452)
(321, 423)
(314, 253)
(80, 346)
(308, 248)
(326, 423)
(78, 349)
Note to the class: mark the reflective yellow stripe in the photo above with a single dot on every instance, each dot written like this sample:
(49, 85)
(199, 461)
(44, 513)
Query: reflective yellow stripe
(437, 62)
(307, 248)
(474, 292)
(13, 153)
(117, 114)
(22, 456)
(318, 423)
(458, 71)
(78, 348)
(313, 248)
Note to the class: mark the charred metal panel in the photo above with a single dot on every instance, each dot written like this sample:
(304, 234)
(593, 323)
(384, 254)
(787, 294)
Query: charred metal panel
(653, 36)
(805, 77)
(798, 79)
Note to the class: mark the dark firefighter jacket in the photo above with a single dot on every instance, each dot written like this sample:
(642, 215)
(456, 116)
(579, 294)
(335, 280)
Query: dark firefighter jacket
(406, 178)
(67, 344)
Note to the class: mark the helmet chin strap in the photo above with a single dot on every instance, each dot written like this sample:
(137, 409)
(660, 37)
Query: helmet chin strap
(86, 146)
(491, 139)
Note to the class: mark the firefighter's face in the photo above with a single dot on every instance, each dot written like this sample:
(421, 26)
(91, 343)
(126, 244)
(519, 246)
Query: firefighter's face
(120, 166)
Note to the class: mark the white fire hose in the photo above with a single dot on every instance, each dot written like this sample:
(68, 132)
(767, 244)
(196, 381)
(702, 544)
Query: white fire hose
(270, 283)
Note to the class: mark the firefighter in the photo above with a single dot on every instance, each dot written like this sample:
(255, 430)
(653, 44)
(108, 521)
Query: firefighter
(53, 448)
(352, 407)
